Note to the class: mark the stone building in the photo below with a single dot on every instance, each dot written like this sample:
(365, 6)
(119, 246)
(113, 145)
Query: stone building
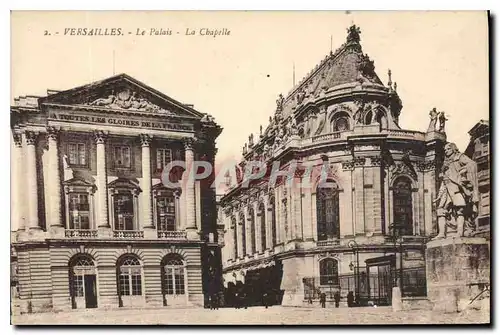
(479, 151)
(93, 225)
(289, 242)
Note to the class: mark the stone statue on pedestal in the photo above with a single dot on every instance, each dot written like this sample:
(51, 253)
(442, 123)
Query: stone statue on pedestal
(457, 198)
(433, 114)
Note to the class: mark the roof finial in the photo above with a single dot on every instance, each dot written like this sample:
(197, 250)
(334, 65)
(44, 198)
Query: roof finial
(395, 87)
(389, 73)
(353, 33)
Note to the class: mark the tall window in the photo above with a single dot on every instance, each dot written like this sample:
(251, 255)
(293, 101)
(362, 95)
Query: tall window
(173, 275)
(243, 235)
(163, 157)
(123, 211)
(79, 211)
(273, 222)
(328, 272)
(77, 153)
(262, 211)
(122, 157)
(130, 276)
(165, 211)
(251, 222)
(403, 205)
(234, 226)
(327, 208)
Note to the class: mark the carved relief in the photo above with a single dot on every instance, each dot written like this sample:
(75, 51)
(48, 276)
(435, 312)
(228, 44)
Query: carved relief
(128, 100)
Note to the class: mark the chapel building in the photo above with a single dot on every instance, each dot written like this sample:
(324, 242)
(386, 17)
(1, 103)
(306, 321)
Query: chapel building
(363, 234)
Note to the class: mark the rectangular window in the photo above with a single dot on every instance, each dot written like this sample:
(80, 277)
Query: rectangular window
(165, 207)
(124, 284)
(163, 157)
(122, 158)
(136, 284)
(78, 286)
(169, 282)
(79, 211)
(77, 154)
(124, 211)
(179, 281)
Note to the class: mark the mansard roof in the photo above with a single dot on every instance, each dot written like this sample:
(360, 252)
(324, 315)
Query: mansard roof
(346, 65)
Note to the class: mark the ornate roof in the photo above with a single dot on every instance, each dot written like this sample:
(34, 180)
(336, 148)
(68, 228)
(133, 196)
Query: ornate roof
(346, 65)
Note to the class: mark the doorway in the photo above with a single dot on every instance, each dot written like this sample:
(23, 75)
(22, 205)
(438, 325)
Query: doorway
(83, 282)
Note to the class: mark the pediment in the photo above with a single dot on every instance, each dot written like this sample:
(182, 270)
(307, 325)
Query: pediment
(122, 93)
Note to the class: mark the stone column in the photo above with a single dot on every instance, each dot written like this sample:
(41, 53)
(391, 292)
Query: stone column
(147, 213)
(258, 228)
(31, 180)
(189, 185)
(17, 222)
(102, 181)
(307, 214)
(54, 178)
(248, 231)
(239, 236)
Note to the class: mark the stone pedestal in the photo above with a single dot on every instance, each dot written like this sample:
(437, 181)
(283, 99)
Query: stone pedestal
(193, 234)
(457, 269)
(397, 304)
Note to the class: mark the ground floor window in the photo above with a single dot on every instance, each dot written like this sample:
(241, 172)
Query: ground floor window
(130, 276)
(173, 275)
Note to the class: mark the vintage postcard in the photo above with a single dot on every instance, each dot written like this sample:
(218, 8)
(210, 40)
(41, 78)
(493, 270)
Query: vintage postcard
(297, 168)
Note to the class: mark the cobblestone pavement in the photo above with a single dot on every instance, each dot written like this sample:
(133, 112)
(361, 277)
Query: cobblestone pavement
(276, 315)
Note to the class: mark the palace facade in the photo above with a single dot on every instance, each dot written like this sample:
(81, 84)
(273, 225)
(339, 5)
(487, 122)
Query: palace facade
(93, 225)
(363, 234)
(479, 151)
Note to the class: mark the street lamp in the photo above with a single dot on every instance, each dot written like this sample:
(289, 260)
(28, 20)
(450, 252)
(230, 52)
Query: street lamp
(354, 246)
(396, 234)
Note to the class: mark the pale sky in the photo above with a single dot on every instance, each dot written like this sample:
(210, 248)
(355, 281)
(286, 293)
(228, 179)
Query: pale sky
(438, 59)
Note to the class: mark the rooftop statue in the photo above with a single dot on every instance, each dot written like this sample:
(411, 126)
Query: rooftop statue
(353, 33)
(457, 198)
(433, 114)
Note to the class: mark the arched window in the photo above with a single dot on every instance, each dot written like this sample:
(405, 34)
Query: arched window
(272, 209)
(328, 272)
(403, 205)
(82, 278)
(243, 235)
(251, 222)
(129, 276)
(263, 241)
(368, 118)
(381, 119)
(173, 282)
(340, 122)
(327, 210)
(235, 237)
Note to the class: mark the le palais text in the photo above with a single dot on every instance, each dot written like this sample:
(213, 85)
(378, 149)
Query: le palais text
(87, 31)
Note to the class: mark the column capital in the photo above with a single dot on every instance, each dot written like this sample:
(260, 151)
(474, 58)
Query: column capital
(100, 136)
(17, 139)
(31, 137)
(52, 133)
(146, 140)
(189, 143)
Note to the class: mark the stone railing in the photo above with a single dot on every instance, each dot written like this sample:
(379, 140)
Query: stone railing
(327, 137)
(128, 234)
(172, 235)
(327, 243)
(80, 233)
(416, 135)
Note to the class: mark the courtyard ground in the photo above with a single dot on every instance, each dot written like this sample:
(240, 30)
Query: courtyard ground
(275, 315)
